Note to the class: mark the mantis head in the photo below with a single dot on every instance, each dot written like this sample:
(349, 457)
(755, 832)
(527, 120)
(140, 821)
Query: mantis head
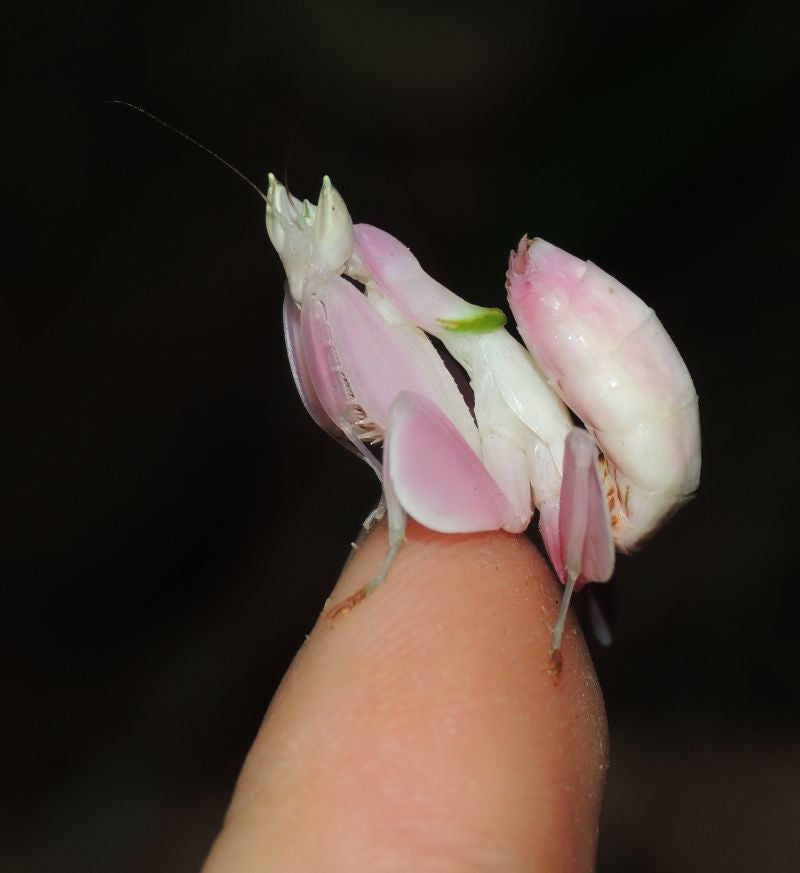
(313, 241)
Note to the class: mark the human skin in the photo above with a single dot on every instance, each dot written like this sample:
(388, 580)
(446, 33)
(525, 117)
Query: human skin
(424, 730)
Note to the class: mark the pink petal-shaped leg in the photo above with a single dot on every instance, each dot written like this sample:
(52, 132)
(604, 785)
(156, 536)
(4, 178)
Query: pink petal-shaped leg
(435, 476)
(431, 474)
(587, 546)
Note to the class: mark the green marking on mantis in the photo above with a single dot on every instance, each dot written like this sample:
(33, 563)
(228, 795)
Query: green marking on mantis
(484, 321)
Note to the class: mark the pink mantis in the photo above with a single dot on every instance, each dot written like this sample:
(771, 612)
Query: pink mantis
(368, 373)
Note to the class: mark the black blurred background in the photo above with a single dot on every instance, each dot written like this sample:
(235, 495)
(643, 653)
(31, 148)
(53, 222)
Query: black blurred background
(172, 520)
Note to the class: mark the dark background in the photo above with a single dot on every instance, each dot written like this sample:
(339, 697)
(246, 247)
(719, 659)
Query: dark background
(172, 520)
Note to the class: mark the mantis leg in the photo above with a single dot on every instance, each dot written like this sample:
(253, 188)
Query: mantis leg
(587, 547)
(558, 627)
(397, 533)
(376, 515)
(432, 474)
(600, 604)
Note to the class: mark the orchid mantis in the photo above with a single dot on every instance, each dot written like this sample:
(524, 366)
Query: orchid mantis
(367, 372)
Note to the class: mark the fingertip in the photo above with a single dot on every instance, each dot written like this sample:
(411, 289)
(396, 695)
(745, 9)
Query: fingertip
(428, 721)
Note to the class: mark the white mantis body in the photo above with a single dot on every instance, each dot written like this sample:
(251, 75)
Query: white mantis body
(368, 373)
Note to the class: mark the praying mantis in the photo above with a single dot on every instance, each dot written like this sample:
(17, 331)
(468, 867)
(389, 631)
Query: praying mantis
(369, 375)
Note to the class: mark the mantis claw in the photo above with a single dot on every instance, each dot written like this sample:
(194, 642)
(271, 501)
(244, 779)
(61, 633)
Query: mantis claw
(376, 515)
(367, 525)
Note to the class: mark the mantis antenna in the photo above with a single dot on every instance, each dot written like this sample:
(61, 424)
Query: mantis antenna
(193, 141)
